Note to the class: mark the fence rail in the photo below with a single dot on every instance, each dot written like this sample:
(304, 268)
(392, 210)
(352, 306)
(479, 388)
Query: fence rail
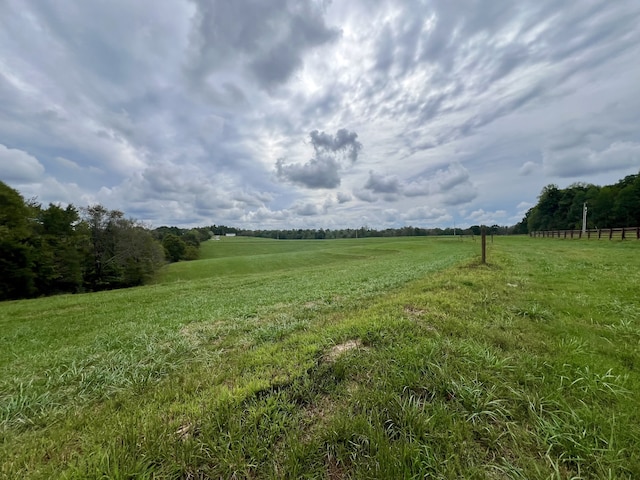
(625, 233)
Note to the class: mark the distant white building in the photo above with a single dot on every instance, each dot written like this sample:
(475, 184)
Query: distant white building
(229, 234)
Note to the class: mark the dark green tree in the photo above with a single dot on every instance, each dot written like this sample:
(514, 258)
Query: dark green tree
(17, 278)
(61, 250)
(174, 247)
(626, 208)
(122, 252)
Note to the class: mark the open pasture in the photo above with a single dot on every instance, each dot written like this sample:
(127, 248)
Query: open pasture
(376, 358)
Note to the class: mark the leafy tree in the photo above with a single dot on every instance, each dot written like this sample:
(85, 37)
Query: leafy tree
(59, 261)
(627, 204)
(174, 247)
(17, 278)
(610, 206)
(122, 252)
(192, 238)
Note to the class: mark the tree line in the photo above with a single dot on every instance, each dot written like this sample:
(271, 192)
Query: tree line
(610, 206)
(366, 232)
(55, 249)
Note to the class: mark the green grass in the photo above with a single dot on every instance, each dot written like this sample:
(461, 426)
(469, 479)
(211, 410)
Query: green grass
(372, 358)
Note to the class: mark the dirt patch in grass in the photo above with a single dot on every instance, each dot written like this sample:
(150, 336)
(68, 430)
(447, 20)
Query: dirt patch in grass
(338, 350)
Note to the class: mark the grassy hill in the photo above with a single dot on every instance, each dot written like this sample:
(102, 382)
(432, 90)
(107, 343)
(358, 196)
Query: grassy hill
(383, 358)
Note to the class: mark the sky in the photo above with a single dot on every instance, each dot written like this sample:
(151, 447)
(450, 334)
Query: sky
(316, 114)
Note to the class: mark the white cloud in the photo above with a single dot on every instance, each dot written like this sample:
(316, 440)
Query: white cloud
(427, 213)
(18, 166)
(528, 168)
(487, 218)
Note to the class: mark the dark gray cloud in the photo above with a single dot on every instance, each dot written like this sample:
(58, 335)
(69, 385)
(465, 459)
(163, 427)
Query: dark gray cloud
(343, 142)
(582, 160)
(459, 196)
(382, 184)
(365, 195)
(323, 170)
(320, 172)
(266, 39)
(451, 186)
(307, 209)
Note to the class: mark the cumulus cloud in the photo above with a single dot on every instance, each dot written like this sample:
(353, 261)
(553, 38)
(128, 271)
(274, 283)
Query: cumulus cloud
(264, 216)
(343, 142)
(18, 166)
(307, 209)
(418, 188)
(323, 170)
(319, 172)
(426, 213)
(382, 184)
(454, 175)
(487, 218)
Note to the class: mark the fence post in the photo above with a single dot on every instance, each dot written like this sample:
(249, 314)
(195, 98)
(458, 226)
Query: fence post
(599, 234)
(638, 233)
(588, 234)
(484, 246)
(623, 231)
(610, 233)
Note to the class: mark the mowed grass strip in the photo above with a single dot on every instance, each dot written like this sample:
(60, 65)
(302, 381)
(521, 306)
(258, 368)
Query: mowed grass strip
(408, 364)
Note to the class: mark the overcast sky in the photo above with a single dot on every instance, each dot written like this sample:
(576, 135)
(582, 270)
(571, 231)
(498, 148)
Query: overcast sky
(293, 114)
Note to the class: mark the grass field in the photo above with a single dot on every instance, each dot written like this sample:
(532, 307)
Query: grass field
(372, 358)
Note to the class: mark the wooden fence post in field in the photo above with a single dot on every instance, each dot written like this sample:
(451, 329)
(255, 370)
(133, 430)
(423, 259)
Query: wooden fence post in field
(484, 246)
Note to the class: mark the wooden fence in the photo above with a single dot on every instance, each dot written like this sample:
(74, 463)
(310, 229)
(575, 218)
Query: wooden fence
(626, 233)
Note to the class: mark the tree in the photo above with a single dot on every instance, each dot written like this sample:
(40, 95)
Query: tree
(609, 206)
(627, 204)
(174, 247)
(60, 252)
(122, 252)
(17, 278)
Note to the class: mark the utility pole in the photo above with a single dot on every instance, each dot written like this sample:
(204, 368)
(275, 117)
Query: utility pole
(584, 218)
